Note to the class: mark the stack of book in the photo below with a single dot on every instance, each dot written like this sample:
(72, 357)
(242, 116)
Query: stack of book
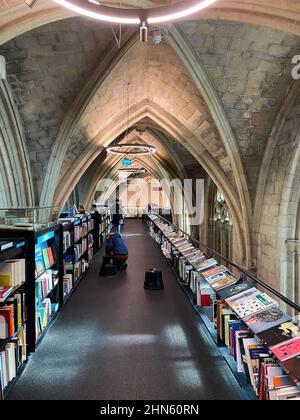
(68, 284)
(43, 316)
(78, 233)
(91, 225)
(45, 284)
(67, 240)
(12, 273)
(12, 315)
(79, 269)
(12, 355)
(80, 249)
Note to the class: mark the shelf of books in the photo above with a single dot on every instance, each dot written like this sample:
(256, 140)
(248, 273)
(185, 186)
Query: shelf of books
(104, 225)
(47, 277)
(78, 239)
(13, 312)
(259, 340)
(39, 270)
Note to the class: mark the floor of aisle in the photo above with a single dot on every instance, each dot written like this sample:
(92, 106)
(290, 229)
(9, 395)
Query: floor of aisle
(116, 341)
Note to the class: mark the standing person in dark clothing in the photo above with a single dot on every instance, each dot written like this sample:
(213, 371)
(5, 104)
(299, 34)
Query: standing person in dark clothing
(118, 217)
(116, 247)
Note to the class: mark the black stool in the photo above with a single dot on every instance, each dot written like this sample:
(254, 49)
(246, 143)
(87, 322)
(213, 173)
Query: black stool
(153, 280)
(109, 267)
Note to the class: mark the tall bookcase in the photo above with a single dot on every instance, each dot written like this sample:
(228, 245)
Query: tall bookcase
(51, 255)
(37, 241)
(17, 341)
(76, 252)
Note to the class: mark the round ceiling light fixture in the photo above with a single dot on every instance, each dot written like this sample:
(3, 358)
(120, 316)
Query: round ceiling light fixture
(132, 171)
(132, 149)
(95, 10)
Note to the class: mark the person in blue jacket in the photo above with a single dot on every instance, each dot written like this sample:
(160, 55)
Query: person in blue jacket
(116, 247)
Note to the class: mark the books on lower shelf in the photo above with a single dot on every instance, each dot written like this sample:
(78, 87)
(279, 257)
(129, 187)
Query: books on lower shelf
(68, 284)
(45, 284)
(253, 358)
(13, 353)
(80, 249)
(80, 231)
(79, 269)
(12, 315)
(44, 313)
(12, 272)
(67, 240)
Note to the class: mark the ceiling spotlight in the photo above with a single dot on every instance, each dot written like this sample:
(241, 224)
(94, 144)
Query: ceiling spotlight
(156, 15)
(31, 3)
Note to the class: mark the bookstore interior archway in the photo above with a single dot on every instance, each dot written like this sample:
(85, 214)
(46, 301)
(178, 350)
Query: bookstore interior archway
(212, 97)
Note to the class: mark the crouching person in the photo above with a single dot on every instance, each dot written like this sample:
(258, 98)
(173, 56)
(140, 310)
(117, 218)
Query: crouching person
(116, 247)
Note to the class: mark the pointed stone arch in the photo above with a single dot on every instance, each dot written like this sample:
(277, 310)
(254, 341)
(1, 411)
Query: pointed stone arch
(14, 163)
(184, 50)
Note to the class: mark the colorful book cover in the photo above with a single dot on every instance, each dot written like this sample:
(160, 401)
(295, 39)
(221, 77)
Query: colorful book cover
(293, 368)
(279, 334)
(195, 256)
(250, 302)
(215, 278)
(224, 282)
(234, 290)
(214, 271)
(267, 319)
(254, 353)
(238, 325)
(46, 259)
(50, 256)
(287, 350)
(39, 261)
(208, 263)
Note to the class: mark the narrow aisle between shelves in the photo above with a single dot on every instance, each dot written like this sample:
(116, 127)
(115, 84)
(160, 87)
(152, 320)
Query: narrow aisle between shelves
(115, 341)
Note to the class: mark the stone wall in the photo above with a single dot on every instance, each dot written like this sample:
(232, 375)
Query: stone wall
(279, 198)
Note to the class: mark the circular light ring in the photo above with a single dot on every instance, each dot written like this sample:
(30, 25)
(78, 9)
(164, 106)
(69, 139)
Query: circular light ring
(136, 16)
(126, 149)
(132, 170)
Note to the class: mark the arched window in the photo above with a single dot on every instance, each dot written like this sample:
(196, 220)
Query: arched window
(220, 224)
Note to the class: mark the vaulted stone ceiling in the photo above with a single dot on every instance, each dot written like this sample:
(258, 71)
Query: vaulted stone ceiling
(47, 68)
(250, 68)
(213, 86)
